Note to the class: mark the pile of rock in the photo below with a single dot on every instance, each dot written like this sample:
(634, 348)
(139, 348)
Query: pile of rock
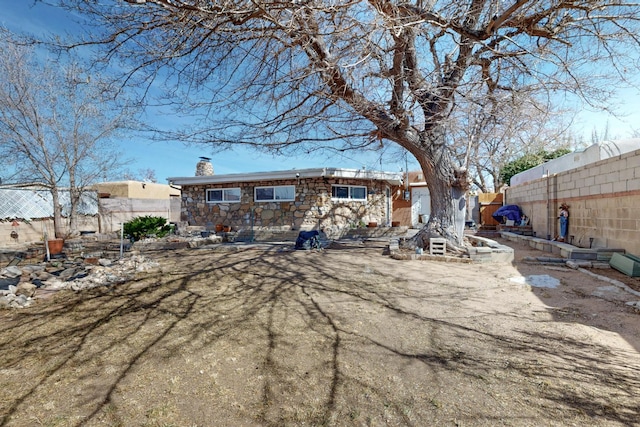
(19, 286)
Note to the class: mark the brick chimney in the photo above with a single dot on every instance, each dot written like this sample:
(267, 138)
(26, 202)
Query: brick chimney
(204, 167)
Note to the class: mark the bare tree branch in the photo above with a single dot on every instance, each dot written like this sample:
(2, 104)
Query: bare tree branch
(56, 124)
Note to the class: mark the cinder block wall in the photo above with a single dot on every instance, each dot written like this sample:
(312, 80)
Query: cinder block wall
(34, 230)
(114, 212)
(603, 199)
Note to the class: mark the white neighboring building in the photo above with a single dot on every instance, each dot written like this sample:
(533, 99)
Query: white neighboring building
(596, 152)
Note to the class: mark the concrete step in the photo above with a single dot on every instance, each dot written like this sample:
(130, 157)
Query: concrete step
(563, 249)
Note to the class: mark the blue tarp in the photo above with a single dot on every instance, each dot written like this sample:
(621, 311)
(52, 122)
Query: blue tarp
(512, 212)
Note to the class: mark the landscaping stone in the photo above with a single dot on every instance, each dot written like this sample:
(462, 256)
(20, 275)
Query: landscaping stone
(575, 264)
(11, 272)
(26, 289)
(32, 269)
(67, 273)
(76, 275)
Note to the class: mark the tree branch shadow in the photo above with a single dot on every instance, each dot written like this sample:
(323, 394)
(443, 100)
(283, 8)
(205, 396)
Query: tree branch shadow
(319, 342)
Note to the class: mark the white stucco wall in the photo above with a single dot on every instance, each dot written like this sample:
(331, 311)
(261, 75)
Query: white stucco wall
(591, 154)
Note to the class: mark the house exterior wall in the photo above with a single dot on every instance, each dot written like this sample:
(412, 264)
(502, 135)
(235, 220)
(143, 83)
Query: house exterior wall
(137, 190)
(603, 199)
(402, 212)
(401, 207)
(131, 199)
(312, 208)
(589, 155)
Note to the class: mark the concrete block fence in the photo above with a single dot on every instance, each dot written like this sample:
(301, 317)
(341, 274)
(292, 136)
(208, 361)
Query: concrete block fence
(603, 199)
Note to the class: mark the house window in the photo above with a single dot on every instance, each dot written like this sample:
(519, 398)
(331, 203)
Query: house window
(348, 192)
(223, 195)
(278, 193)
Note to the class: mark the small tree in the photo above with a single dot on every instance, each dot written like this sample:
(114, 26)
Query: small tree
(56, 122)
(146, 226)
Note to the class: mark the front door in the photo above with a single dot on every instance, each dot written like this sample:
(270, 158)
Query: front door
(420, 206)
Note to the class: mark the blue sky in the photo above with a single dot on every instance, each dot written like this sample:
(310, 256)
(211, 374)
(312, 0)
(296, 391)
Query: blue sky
(175, 159)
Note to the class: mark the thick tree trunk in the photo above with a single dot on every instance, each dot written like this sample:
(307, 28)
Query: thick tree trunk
(448, 188)
(448, 209)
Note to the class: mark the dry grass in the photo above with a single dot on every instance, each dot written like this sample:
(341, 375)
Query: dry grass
(334, 338)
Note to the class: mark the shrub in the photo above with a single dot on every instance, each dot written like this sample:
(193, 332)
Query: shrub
(146, 226)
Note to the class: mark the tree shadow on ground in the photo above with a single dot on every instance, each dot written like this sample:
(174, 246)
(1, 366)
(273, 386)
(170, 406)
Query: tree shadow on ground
(271, 337)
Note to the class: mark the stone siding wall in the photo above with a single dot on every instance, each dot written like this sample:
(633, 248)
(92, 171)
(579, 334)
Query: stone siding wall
(312, 207)
(603, 199)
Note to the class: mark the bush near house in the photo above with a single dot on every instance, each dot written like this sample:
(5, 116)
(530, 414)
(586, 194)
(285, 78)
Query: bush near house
(146, 226)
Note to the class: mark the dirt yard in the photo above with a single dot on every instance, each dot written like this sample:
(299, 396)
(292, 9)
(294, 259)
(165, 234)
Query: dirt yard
(342, 337)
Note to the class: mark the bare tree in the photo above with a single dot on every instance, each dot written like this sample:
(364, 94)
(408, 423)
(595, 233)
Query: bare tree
(599, 136)
(55, 124)
(488, 132)
(279, 74)
(147, 175)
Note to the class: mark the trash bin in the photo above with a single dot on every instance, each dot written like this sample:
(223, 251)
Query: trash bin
(424, 218)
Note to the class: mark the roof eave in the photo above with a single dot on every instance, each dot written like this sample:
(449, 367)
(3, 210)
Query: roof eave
(392, 178)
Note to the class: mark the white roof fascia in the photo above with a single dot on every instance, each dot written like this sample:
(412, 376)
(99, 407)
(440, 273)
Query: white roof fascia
(391, 177)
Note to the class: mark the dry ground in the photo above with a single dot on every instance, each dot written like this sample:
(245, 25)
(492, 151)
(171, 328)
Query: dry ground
(344, 337)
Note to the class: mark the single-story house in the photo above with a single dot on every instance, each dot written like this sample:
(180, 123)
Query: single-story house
(332, 199)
